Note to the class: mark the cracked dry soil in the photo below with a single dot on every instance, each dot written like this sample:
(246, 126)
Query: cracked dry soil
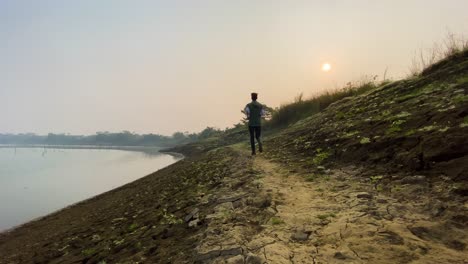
(339, 217)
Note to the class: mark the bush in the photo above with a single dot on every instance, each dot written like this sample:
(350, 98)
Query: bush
(290, 113)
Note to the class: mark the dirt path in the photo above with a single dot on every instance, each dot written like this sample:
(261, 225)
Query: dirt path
(339, 218)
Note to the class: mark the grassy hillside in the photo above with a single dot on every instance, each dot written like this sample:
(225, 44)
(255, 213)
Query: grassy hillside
(417, 124)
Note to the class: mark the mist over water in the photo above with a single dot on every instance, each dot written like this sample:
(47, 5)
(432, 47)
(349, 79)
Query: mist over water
(35, 181)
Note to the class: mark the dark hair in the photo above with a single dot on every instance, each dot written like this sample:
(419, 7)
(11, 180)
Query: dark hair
(254, 96)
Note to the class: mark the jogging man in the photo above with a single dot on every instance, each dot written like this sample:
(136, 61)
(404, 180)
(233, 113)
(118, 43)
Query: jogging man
(254, 112)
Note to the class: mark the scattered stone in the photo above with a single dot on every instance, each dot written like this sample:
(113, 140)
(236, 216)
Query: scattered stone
(320, 168)
(252, 259)
(364, 195)
(191, 215)
(96, 238)
(339, 255)
(436, 208)
(413, 179)
(381, 200)
(194, 223)
(300, 236)
(392, 237)
(237, 204)
(455, 244)
(261, 202)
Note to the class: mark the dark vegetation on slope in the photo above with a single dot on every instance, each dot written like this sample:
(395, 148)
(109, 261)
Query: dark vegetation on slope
(417, 124)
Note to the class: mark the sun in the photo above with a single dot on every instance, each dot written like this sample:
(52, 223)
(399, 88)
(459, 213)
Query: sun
(326, 67)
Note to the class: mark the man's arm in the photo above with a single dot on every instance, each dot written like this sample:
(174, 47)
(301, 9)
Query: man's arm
(247, 111)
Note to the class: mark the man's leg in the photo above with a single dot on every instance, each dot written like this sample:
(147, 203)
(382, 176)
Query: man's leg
(252, 140)
(258, 134)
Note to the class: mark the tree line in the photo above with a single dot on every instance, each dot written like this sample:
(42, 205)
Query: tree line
(124, 138)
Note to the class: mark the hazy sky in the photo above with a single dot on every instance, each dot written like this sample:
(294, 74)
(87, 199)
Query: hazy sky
(164, 66)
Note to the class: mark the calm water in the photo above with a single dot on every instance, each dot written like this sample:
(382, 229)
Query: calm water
(35, 182)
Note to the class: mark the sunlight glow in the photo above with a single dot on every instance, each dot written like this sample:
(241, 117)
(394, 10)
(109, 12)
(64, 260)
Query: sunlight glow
(326, 67)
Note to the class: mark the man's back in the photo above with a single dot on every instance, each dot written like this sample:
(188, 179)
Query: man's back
(255, 113)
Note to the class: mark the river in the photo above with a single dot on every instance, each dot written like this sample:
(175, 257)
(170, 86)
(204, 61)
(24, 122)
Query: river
(37, 181)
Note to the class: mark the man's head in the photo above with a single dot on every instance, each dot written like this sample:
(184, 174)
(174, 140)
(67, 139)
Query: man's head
(254, 96)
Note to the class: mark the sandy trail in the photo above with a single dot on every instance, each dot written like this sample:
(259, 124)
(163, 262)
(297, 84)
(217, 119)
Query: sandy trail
(340, 218)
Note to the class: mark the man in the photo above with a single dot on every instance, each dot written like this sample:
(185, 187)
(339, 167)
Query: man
(255, 112)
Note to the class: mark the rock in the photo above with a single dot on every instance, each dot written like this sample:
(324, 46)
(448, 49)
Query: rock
(380, 200)
(261, 202)
(191, 215)
(237, 204)
(413, 179)
(252, 259)
(194, 223)
(300, 236)
(320, 168)
(392, 237)
(455, 244)
(436, 208)
(339, 255)
(364, 195)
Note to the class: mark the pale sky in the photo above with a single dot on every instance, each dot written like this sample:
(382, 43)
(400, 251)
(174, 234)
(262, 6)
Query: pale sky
(163, 66)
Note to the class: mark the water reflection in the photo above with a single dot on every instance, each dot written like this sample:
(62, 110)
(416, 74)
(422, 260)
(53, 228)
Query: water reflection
(38, 181)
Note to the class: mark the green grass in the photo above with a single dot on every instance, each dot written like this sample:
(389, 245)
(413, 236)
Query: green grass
(325, 216)
(301, 108)
(465, 122)
(132, 227)
(365, 140)
(321, 156)
(276, 221)
(89, 252)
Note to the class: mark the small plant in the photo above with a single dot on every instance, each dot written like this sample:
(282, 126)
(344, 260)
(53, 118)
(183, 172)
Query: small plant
(325, 216)
(320, 156)
(376, 179)
(410, 132)
(397, 188)
(395, 126)
(428, 128)
(132, 227)
(350, 134)
(365, 140)
(311, 177)
(89, 252)
(276, 221)
(170, 218)
(465, 122)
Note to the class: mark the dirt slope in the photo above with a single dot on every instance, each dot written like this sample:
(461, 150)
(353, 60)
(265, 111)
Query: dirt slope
(414, 125)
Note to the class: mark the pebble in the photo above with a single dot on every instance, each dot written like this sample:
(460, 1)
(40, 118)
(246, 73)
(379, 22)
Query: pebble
(300, 236)
(364, 195)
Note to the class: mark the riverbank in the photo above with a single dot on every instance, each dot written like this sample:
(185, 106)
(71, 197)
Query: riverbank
(145, 217)
(34, 182)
